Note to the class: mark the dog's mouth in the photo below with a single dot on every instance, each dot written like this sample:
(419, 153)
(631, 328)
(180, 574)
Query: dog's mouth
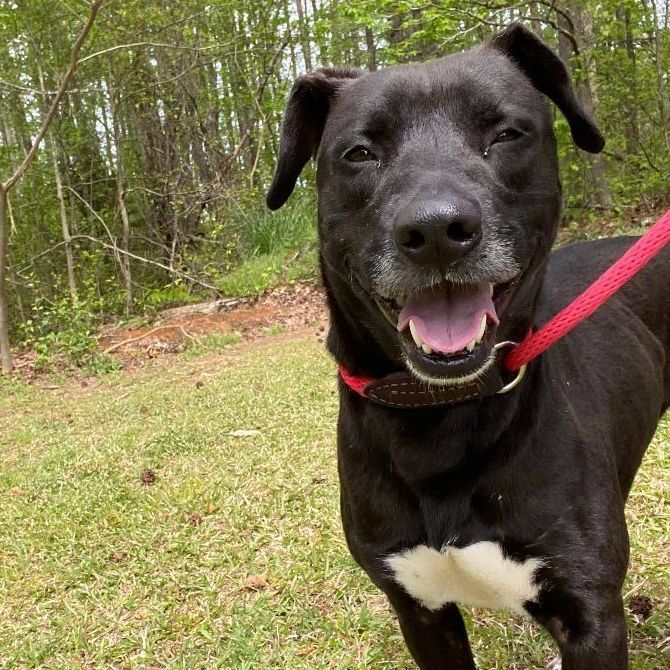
(447, 332)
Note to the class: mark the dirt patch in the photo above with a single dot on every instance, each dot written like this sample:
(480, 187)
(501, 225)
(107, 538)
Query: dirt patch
(286, 309)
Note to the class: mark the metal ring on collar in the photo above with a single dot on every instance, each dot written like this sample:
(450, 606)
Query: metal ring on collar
(520, 372)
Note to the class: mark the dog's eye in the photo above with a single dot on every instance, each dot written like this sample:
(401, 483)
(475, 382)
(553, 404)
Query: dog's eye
(507, 135)
(359, 154)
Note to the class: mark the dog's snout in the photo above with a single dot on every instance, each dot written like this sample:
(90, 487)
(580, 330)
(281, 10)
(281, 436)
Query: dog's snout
(436, 232)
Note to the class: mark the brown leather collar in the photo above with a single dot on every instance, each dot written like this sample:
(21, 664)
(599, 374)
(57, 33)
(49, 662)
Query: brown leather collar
(401, 390)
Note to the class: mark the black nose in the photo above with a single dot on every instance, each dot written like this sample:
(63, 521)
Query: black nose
(438, 232)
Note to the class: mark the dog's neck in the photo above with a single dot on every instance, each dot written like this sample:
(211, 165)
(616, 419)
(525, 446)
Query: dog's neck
(449, 445)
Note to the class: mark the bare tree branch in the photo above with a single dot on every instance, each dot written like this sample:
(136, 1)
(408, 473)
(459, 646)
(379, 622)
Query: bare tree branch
(259, 94)
(123, 343)
(34, 91)
(148, 261)
(117, 250)
(162, 45)
(74, 62)
(5, 187)
(499, 9)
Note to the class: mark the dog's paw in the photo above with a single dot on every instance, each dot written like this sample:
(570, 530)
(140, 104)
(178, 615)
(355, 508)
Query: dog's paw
(556, 664)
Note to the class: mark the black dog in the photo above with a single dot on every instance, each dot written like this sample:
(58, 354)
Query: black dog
(439, 200)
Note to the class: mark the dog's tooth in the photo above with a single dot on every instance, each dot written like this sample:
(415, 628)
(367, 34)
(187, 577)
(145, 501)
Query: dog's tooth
(491, 287)
(481, 331)
(471, 345)
(415, 335)
(426, 349)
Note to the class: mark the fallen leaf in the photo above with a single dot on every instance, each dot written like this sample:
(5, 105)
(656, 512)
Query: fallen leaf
(641, 607)
(256, 582)
(244, 433)
(148, 477)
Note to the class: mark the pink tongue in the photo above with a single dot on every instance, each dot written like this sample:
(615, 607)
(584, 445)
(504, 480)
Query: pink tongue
(448, 317)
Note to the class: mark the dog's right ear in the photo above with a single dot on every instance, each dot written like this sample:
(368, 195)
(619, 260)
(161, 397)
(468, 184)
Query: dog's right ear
(304, 120)
(548, 74)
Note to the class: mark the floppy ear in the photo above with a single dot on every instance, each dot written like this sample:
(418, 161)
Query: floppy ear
(549, 76)
(304, 120)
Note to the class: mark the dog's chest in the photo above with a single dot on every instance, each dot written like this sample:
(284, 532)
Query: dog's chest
(479, 575)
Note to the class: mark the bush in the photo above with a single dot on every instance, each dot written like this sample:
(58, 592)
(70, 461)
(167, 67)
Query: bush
(63, 333)
(271, 247)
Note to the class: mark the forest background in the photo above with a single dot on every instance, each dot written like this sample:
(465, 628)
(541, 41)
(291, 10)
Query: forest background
(148, 188)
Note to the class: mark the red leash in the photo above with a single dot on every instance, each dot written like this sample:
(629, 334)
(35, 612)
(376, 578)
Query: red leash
(593, 297)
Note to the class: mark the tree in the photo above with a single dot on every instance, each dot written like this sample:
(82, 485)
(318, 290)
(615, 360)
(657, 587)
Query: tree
(10, 183)
(165, 145)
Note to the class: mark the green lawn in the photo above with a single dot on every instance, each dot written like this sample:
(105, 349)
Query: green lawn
(186, 516)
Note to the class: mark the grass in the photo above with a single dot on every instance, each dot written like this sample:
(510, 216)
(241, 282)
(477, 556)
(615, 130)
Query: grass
(277, 247)
(211, 342)
(259, 273)
(262, 232)
(186, 516)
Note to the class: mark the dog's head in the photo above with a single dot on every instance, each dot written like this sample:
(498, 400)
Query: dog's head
(439, 197)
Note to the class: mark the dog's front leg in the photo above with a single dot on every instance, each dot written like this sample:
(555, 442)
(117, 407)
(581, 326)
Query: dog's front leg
(436, 640)
(605, 647)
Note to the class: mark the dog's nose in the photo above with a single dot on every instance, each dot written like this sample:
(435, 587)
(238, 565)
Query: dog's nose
(438, 232)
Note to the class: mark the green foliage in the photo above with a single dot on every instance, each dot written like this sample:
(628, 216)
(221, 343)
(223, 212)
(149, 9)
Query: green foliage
(173, 294)
(74, 345)
(178, 135)
(247, 249)
(269, 247)
(64, 332)
(302, 267)
(254, 276)
(292, 227)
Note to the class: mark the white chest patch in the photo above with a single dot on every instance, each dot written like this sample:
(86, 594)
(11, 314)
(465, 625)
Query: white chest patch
(478, 575)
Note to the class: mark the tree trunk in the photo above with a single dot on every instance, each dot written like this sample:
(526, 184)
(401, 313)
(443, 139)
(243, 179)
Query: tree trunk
(660, 76)
(304, 35)
(124, 259)
(632, 125)
(396, 33)
(17, 293)
(5, 352)
(67, 239)
(583, 33)
(5, 187)
(125, 241)
(535, 22)
(355, 46)
(585, 91)
(371, 49)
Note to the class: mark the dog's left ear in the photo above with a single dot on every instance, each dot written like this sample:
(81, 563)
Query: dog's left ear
(304, 120)
(549, 76)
